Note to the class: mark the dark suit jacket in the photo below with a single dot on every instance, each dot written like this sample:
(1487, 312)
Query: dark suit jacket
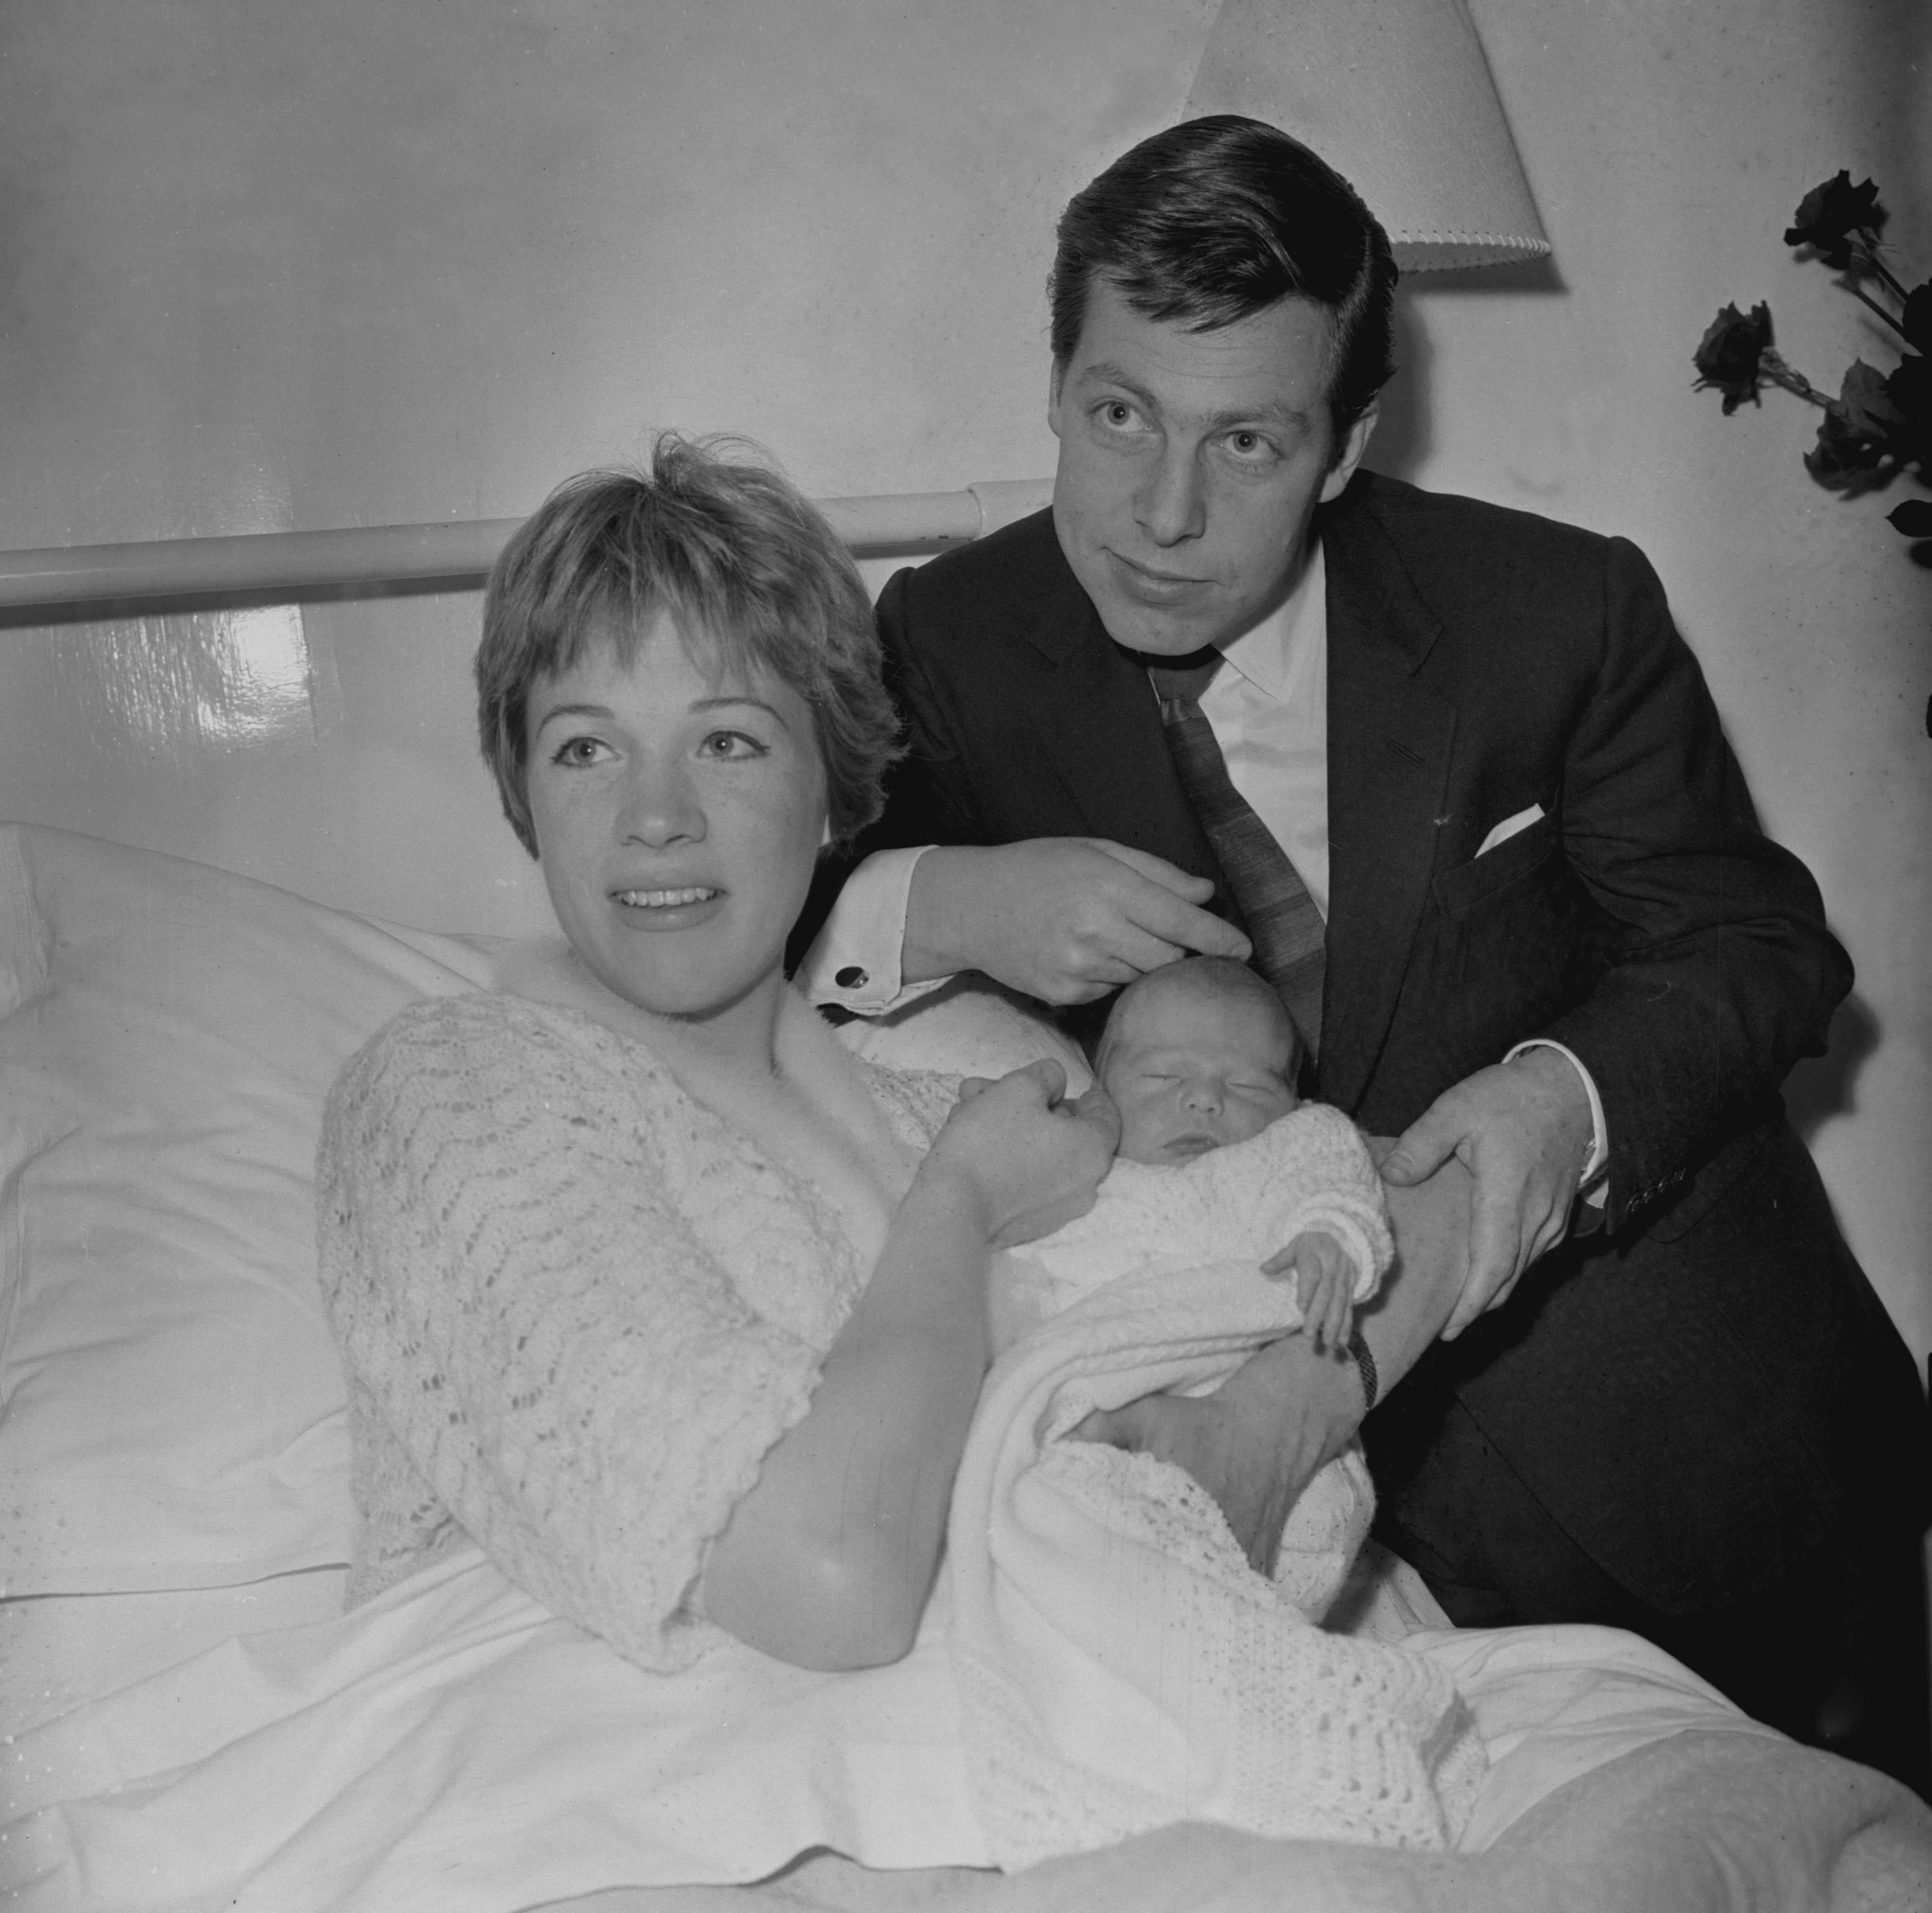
(1694, 1391)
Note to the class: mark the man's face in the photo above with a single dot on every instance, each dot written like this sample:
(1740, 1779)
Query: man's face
(1191, 464)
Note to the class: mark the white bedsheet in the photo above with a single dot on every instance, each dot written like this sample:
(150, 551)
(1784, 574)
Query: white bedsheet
(452, 1747)
(405, 1754)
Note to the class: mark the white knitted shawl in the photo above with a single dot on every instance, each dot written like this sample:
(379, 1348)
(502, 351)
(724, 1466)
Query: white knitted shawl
(576, 1305)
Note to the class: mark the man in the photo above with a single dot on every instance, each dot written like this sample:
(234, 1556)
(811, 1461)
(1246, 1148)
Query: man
(1458, 780)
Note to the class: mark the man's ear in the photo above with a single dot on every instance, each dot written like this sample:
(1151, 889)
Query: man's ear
(1348, 454)
(1056, 380)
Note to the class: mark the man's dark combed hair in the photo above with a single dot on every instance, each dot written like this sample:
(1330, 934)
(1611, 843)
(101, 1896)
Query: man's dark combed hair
(1215, 220)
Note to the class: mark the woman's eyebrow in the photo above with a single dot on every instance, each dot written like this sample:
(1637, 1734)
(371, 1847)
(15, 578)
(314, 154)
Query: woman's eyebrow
(602, 712)
(726, 698)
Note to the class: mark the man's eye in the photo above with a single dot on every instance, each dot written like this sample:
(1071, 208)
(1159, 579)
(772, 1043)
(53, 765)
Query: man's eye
(1118, 416)
(1250, 447)
(580, 751)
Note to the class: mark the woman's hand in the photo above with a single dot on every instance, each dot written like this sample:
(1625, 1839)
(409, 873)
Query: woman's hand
(1027, 1158)
(827, 1561)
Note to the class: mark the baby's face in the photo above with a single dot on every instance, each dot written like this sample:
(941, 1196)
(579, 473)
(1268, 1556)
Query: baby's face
(1191, 1072)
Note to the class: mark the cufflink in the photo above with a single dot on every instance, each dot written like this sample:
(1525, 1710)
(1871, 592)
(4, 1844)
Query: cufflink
(850, 977)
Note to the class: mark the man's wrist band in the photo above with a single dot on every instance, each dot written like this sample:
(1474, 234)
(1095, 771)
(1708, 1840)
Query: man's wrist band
(1365, 1367)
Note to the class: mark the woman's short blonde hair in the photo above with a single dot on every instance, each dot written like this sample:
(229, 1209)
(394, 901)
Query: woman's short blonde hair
(738, 557)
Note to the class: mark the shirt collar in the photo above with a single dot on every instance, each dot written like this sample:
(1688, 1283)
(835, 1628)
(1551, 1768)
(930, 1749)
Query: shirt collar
(1267, 654)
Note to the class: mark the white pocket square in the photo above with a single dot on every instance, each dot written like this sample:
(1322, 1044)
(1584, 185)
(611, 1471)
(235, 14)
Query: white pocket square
(1508, 828)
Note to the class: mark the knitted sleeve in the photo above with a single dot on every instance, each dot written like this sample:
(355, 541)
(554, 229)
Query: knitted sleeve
(530, 1326)
(1321, 1176)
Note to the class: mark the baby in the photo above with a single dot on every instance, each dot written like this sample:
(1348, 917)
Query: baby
(1218, 1160)
(1219, 1164)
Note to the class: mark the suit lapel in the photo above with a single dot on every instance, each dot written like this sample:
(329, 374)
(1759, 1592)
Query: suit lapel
(1389, 742)
(1097, 729)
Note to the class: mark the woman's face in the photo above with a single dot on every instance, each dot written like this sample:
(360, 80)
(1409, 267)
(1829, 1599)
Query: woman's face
(678, 814)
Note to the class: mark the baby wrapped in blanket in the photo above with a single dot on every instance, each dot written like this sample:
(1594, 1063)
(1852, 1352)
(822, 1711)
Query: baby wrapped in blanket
(1219, 1163)
(1120, 1661)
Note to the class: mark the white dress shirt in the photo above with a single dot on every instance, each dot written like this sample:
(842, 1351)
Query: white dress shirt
(1268, 709)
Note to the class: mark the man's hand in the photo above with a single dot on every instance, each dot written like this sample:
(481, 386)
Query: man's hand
(1256, 1442)
(1522, 1130)
(1064, 919)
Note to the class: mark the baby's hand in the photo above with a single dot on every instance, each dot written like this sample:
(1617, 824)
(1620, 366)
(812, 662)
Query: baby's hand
(1324, 1284)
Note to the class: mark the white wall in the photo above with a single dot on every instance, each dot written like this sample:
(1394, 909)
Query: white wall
(364, 261)
(1668, 146)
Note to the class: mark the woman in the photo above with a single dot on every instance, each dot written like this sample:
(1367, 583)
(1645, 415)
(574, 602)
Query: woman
(642, 1283)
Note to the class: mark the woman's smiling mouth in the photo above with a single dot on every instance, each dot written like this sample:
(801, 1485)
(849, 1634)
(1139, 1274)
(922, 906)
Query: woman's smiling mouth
(666, 899)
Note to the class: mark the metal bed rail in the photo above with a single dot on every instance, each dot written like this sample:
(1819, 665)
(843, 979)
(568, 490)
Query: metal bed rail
(293, 564)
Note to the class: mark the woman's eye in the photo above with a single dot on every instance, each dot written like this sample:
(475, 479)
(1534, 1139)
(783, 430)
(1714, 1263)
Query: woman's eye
(727, 745)
(580, 751)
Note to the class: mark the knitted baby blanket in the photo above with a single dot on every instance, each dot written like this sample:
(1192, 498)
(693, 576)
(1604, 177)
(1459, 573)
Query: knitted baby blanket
(1120, 1664)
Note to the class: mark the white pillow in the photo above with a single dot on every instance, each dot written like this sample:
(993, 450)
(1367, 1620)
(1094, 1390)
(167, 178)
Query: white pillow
(171, 1407)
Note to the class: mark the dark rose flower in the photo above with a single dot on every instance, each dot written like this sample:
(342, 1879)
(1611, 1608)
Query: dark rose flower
(1915, 321)
(1727, 356)
(1829, 214)
(1868, 409)
(1856, 436)
(1878, 426)
(1840, 457)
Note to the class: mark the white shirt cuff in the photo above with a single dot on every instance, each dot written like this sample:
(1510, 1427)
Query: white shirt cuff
(1592, 1184)
(854, 960)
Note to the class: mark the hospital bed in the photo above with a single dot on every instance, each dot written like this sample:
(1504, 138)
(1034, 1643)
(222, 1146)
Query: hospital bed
(188, 1720)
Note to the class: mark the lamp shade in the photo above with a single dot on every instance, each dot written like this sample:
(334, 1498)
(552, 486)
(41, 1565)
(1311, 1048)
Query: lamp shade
(1397, 96)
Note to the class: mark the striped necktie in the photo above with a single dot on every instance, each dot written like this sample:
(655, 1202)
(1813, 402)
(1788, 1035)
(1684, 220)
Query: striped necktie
(1278, 914)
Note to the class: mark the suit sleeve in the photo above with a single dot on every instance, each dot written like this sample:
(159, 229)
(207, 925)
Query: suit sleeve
(1717, 972)
(929, 796)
